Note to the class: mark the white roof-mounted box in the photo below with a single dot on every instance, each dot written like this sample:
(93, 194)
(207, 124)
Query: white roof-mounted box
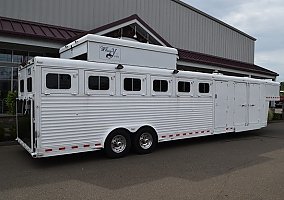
(102, 49)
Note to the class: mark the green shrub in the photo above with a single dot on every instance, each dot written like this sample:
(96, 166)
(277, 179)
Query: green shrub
(277, 116)
(11, 102)
(270, 115)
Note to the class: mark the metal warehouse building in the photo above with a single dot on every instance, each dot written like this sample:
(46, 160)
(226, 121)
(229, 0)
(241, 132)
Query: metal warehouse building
(40, 27)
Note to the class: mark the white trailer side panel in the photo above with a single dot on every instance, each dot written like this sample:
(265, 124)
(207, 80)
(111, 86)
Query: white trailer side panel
(74, 120)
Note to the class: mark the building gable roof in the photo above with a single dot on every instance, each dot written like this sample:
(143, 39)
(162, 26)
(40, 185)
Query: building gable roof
(121, 22)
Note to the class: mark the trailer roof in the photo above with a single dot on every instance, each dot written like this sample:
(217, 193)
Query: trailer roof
(118, 42)
(79, 64)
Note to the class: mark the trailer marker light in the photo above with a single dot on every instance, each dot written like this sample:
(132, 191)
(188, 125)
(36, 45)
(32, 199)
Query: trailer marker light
(86, 145)
(62, 148)
(196, 132)
(208, 131)
(177, 135)
(202, 131)
(171, 135)
(184, 134)
(189, 133)
(163, 136)
(48, 150)
(74, 147)
(98, 144)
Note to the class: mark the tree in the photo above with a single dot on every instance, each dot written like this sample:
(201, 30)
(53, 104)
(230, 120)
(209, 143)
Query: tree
(282, 86)
(11, 101)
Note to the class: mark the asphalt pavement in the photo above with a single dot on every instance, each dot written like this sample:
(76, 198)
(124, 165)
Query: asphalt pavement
(247, 165)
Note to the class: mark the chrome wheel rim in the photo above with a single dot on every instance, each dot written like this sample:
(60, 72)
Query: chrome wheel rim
(145, 140)
(118, 143)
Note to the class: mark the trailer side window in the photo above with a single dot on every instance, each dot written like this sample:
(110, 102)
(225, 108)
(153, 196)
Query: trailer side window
(183, 86)
(29, 84)
(98, 83)
(204, 87)
(132, 84)
(22, 85)
(160, 85)
(58, 81)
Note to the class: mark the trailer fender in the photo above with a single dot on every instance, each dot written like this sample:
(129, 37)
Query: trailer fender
(135, 128)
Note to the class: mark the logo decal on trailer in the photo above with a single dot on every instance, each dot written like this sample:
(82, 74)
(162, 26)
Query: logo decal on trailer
(109, 53)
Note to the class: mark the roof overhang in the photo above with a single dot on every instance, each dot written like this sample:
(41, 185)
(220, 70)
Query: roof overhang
(34, 30)
(199, 60)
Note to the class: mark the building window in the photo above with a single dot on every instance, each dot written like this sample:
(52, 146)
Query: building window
(204, 87)
(20, 56)
(29, 84)
(98, 83)
(132, 84)
(183, 86)
(5, 55)
(160, 85)
(22, 86)
(58, 81)
(5, 73)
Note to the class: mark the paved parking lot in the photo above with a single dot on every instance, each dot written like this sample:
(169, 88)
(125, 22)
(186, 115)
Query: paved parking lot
(236, 166)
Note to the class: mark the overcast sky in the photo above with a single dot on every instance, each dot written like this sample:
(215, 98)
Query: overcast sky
(262, 19)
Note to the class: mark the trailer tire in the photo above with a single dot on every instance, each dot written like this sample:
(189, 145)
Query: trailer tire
(144, 140)
(117, 144)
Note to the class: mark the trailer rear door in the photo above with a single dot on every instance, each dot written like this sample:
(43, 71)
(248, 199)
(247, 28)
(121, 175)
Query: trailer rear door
(25, 123)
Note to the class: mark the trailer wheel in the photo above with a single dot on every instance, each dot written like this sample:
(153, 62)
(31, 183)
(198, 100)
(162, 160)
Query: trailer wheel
(145, 140)
(117, 144)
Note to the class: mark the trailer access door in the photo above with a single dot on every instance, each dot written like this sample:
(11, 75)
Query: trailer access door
(254, 103)
(25, 124)
(224, 101)
(241, 105)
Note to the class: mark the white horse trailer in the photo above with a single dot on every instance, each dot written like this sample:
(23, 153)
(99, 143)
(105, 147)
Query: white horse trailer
(69, 106)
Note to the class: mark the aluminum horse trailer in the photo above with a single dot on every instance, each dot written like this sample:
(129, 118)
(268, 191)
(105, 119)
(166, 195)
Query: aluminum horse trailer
(69, 106)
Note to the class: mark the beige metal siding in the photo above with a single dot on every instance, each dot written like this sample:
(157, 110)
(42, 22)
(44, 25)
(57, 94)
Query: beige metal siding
(182, 27)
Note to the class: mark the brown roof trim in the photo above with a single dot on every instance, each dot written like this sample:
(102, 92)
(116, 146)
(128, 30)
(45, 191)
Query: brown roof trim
(30, 29)
(122, 21)
(213, 18)
(194, 57)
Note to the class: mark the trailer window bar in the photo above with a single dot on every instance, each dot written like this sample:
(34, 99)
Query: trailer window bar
(160, 85)
(132, 84)
(183, 86)
(98, 82)
(58, 81)
(203, 87)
